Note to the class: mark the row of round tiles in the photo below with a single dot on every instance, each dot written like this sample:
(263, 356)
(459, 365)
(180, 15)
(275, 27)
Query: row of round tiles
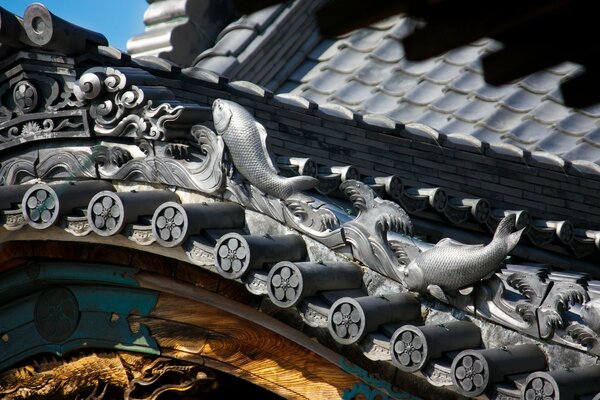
(290, 281)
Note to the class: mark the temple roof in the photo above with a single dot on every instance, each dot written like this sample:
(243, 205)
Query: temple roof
(102, 148)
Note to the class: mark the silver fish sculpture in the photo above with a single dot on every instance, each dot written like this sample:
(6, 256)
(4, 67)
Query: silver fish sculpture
(452, 266)
(245, 139)
(590, 314)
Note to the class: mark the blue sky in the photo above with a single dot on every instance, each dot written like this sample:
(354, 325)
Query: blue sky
(118, 20)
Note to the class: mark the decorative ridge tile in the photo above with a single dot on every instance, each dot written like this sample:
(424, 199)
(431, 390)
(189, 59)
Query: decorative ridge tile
(421, 132)
(251, 88)
(380, 121)
(547, 160)
(293, 100)
(204, 75)
(585, 168)
(336, 110)
(506, 151)
(464, 142)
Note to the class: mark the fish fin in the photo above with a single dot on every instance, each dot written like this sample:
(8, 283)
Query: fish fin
(262, 132)
(300, 183)
(438, 293)
(452, 242)
(466, 291)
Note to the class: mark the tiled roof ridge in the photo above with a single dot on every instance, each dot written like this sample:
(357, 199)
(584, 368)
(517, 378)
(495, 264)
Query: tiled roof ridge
(418, 131)
(177, 30)
(253, 47)
(418, 196)
(367, 71)
(153, 159)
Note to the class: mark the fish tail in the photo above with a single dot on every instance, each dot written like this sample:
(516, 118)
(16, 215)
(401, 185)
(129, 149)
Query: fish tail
(513, 239)
(503, 232)
(300, 183)
(505, 227)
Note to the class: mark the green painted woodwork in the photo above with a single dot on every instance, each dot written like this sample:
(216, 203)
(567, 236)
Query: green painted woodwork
(60, 307)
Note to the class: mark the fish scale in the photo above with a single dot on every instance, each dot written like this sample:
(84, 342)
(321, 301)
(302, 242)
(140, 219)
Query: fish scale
(451, 266)
(461, 263)
(243, 140)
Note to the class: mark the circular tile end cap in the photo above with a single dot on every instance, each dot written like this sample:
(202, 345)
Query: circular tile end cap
(170, 224)
(470, 373)
(346, 321)
(285, 284)
(105, 213)
(408, 348)
(232, 256)
(40, 206)
(540, 385)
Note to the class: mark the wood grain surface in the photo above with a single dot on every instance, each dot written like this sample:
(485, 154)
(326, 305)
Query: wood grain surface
(188, 330)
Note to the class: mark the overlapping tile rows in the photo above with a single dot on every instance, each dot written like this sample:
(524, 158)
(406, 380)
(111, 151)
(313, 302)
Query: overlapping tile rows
(266, 46)
(367, 72)
(177, 30)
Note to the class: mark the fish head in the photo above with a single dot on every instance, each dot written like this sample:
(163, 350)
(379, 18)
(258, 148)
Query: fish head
(413, 277)
(590, 312)
(222, 114)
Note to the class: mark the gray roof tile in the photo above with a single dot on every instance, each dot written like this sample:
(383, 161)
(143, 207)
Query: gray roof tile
(456, 125)
(527, 134)
(433, 119)
(380, 103)
(398, 83)
(366, 71)
(557, 143)
(328, 81)
(406, 112)
(487, 135)
(521, 101)
(305, 72)
(584, 151)
(424, 93)
(390, 51)
(353, 93)
(541, 82)
(449, 102)
(312, 95)
(346, 61)
(503, 120)
(323, 51)
(576, 124)
(549, 112)
(462, 55)
(468, 82)
(475, 110)
(372, 72)
(365, 40)
(443, 73)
